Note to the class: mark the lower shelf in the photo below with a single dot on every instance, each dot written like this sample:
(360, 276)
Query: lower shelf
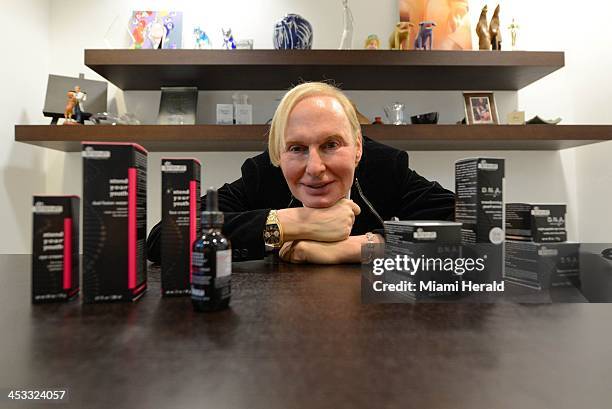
(236, 138)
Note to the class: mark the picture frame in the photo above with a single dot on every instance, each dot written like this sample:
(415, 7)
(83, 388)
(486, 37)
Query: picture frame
(480, 108)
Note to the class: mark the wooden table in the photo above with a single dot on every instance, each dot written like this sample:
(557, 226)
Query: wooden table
(299, 337)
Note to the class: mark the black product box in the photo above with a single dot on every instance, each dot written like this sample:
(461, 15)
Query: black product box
(541, 223)
(542, 265)
(480, 201)
(479, 187)
(433, 244)
(114, 221)
(55, 248)
(180, 222)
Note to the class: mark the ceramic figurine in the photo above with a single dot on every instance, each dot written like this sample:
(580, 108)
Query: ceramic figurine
(346, 43)
(513, 31)
(424, 39)
(72, 102)
(228, 39)
(482, 30)
(202, 41)
(80, 97)
(292, 32)
(400, 35)
(494, 30)
(372, 42)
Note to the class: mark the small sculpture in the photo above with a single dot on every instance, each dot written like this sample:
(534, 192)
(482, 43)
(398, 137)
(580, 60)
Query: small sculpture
(346, 43)
(494, 31)
(80, 97)
(400, 35)
(482, 30)
(372, 42)
(228, 39)
(424, 39)
(292, 32)
(202, 41)
(72, 102)
(513, 31)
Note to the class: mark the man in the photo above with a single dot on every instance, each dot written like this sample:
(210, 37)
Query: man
(321, 190)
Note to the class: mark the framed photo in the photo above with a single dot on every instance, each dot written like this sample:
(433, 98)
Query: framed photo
(480, 108)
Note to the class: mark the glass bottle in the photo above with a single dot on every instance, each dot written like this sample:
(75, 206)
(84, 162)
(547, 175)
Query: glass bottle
(212, 261)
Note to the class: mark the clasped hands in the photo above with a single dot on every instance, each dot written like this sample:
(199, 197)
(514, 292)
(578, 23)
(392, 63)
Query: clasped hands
(321, 236)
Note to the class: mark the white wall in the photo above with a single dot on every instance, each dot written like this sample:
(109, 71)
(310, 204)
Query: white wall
(24, 78)
(577, 93)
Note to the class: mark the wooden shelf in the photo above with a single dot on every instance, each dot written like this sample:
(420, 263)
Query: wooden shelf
(350, 69)
(218, 138)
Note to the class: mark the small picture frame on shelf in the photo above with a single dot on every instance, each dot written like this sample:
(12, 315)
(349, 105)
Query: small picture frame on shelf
(480, 108)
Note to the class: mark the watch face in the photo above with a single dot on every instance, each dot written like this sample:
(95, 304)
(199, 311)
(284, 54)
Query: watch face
(272, 235)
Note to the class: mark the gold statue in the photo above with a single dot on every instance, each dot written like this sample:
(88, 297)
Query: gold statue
(494, 31)
(513, 30)
(482, 29)
(400, 35)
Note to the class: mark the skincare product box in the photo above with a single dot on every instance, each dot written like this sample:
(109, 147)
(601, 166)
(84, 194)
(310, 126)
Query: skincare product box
(114, 221)
(542, 265)
(435, 245)
(180, 222)
(243, 114)
(55, 248)
(480, 206)
(225, 114)
(398, 233)
(542, 223)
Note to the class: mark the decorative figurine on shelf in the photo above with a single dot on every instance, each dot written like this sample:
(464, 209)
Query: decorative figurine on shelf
(80, 98)
(372, 42)
(292, 32)
(69, 111)
(513, 31)
(346, 43)
(228, 39)
(482, 30)
(400, 35)
(424, 39)
(494, 30)
(202, 41)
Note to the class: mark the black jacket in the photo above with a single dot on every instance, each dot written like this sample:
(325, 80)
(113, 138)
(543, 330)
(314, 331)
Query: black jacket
(384, 187)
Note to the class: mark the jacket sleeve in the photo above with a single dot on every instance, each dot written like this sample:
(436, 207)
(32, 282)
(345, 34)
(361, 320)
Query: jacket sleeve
(421, 199)
(243, 225)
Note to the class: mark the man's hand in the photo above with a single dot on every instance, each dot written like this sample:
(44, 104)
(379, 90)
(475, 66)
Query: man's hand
(329, 224)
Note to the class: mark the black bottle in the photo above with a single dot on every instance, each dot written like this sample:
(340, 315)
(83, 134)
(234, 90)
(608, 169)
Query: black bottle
(211, 261)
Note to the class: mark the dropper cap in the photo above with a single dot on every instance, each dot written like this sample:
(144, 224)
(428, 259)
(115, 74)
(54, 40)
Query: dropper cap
(212, 217)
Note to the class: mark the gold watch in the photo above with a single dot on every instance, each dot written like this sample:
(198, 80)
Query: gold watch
(273, 232)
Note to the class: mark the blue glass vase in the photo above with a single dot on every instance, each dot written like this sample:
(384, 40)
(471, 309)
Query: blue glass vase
(293, 32)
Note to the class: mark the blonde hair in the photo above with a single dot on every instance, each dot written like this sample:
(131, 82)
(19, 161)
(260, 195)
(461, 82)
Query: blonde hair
(276, 141)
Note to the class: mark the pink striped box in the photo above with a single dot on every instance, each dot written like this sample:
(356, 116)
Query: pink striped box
(114, 221)
(180, 222)
(55, 248)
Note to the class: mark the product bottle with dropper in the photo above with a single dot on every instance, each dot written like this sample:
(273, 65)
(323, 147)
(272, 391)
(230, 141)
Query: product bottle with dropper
(211, 261)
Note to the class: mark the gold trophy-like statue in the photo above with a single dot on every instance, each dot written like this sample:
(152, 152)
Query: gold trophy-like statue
(489, 35)
(482, 30)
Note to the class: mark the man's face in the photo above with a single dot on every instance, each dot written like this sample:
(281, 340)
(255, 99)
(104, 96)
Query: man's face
(320, 153)
(77, 89)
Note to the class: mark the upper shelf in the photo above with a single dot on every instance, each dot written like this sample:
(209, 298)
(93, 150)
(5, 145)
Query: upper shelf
(185, 138)
(350, 69)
